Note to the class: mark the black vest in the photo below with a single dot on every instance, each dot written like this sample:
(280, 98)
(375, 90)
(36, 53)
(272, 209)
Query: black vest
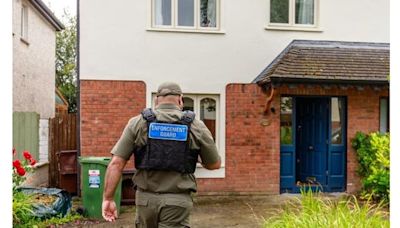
(161, 154)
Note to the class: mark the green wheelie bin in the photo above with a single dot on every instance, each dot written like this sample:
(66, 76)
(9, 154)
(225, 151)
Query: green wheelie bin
(93, 171)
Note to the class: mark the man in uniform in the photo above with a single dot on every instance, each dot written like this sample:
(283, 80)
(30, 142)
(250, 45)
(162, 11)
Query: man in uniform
(166, 144)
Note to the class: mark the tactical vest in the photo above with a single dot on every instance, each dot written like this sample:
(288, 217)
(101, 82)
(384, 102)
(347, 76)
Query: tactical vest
(167, 145)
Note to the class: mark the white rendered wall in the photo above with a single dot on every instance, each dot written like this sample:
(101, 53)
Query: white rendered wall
(115, 44)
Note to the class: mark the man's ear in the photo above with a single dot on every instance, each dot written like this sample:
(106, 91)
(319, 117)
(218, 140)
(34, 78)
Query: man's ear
(155, 101)
(181, 101)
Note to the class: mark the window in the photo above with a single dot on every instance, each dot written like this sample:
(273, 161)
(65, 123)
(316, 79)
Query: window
(384, 115)
(24, 22)
(293, 13)
(286, 120)
(337, 108)
(206, 108)
(185, 14)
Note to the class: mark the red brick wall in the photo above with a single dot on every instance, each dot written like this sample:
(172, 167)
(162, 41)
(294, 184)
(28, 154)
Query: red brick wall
(106, 107)
(252, 149)
(252, 139)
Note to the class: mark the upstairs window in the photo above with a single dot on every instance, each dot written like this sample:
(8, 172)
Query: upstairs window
(24, 22)
(185, 14)
(293, 13)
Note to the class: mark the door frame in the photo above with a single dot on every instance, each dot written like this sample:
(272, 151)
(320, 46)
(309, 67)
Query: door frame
(284, 148)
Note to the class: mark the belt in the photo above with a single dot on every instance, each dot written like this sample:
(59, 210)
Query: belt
(161, 193)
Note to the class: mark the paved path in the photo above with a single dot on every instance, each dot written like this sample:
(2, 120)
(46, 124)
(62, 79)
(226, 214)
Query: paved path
(214, 212)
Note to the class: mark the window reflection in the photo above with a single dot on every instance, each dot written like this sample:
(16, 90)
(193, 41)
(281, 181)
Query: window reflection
(279, 11)
(208, 114)
(305, 12)
(336, 120)
(188, 104)
(162, 12)
(186, 12)
(286, 120)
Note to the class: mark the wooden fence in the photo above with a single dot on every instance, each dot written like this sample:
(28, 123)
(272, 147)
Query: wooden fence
(26, 133)
(63, 136)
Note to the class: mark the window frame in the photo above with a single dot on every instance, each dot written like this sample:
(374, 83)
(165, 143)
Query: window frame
(291, 25)
(174, 19)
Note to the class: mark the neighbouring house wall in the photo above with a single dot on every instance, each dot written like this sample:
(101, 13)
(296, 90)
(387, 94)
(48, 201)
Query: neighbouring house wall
(33, 63)
(106, 107)
(253, 140)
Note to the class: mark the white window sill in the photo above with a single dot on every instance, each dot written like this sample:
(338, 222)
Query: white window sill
(293, 28)
(205, 173)
(186, 30)
(41, 164)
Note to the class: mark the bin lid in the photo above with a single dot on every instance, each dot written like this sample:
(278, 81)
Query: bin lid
(95, 160)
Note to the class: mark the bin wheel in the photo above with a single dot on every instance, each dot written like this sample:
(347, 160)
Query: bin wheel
(81, 210)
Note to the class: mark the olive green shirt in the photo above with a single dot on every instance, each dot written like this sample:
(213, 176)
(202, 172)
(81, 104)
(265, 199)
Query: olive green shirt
(134, 137)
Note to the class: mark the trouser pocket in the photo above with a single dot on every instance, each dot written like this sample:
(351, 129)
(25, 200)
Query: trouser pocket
(175, 213)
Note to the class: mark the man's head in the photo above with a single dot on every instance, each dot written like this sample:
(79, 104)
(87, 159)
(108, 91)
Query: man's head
(169, 93)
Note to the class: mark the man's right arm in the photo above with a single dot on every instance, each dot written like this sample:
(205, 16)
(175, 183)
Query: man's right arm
(212, 166)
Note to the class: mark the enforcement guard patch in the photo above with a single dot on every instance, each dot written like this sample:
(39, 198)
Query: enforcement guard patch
(166, 131)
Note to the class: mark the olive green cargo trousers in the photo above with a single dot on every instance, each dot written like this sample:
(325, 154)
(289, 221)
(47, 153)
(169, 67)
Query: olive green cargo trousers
(162, 210)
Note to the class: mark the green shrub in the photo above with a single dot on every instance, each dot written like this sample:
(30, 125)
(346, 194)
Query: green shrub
(22, 208)
(373, 154)
(314, 211)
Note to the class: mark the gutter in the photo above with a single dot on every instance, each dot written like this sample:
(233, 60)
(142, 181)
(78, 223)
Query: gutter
(78, 101)
(47, 14)
(324, 81)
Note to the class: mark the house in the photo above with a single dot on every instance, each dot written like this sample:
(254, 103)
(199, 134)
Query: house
(311, 54)
(34, 46)
(61, 102)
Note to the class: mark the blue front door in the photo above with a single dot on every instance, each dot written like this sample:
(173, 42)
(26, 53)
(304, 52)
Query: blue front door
(312, 141)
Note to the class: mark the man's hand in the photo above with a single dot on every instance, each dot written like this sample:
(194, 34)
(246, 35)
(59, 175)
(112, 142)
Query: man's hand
(109, 210)
(113, 176)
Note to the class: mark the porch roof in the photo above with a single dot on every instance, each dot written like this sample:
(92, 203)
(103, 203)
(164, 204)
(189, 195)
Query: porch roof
(329, 61)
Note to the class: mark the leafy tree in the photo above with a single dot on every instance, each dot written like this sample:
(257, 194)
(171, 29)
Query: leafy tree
(66, 61)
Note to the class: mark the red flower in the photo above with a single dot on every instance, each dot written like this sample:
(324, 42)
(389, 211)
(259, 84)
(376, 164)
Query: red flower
(17, 164)
(27, 155)
(21, 171)
(33, 161)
